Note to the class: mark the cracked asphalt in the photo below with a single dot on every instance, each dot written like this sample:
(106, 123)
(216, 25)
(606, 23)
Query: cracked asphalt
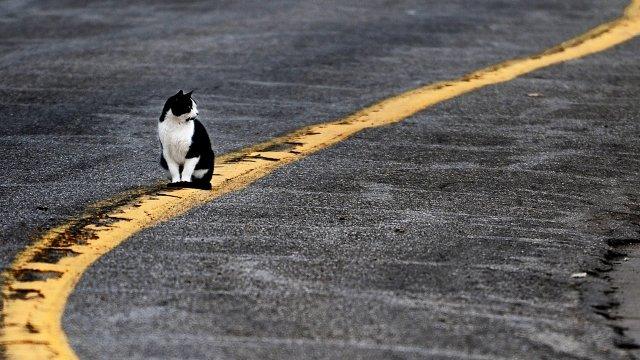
(453, 234)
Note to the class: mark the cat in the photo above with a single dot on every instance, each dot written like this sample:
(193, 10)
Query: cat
(185, 146)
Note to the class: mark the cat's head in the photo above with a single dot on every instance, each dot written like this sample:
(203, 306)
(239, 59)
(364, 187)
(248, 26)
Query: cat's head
(181, 106)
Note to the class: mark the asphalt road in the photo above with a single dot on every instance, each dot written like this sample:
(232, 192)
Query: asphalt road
(451, 235)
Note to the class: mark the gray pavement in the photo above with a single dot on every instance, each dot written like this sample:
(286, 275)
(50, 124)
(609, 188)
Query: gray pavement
(451, 235)
(625, 277)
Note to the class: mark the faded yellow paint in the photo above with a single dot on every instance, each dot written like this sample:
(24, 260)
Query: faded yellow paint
(36, 287)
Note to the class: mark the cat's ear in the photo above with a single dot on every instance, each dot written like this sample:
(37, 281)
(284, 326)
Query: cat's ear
(189, 93)
(180, 93)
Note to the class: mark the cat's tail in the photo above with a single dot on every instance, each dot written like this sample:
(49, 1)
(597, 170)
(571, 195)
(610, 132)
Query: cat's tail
(202, 185)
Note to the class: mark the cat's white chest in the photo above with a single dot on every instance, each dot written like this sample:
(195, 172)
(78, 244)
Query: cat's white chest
(176, 139)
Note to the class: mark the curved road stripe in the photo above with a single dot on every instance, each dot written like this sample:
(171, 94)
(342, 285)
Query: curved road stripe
(40, 279)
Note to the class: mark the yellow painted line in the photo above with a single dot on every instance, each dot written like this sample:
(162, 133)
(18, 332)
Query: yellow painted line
(41, 277)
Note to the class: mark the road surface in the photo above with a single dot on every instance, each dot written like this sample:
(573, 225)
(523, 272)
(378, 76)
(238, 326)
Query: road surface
(453, 234)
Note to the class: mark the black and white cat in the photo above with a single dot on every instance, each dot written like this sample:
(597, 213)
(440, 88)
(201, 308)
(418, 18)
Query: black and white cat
(185, 144)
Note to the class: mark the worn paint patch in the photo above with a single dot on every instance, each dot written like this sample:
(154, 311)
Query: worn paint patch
(41, 278)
